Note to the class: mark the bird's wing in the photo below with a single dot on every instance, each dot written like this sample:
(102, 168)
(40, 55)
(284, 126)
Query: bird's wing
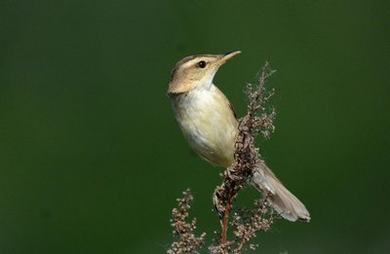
(227, 101)
(232, 108)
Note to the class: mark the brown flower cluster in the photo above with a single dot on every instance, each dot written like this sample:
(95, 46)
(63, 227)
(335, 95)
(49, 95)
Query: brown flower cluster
(186, 240)
(247, 223)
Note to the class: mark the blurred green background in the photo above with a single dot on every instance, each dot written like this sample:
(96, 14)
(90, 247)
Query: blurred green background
(91, 158)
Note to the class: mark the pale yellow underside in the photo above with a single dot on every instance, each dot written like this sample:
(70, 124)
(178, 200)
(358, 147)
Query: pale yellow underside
(208, 123)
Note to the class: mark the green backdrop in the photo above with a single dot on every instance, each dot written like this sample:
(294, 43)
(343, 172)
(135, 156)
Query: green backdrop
(91, 158)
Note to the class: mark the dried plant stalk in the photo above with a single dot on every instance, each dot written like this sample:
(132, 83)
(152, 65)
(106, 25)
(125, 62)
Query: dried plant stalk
(246, 224)
(257, 120)
(186, 240)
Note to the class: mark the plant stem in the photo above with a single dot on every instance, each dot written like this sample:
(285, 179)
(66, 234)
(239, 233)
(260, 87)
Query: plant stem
(225, 224)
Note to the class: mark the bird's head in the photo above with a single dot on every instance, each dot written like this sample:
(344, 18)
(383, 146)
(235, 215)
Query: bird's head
(196, 71)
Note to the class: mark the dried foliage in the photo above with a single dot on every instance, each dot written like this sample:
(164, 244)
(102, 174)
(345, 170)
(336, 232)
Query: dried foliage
(258, 119)
(186, 240)
(245, 223)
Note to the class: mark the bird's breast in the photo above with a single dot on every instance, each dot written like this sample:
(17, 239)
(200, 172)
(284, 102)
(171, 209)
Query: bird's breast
(208, 123)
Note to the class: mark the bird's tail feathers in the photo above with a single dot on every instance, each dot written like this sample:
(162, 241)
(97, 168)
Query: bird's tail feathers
(280, 198)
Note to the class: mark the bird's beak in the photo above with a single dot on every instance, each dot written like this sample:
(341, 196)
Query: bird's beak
(228, 56)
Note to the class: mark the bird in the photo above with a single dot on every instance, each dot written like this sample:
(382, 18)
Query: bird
(209, 124)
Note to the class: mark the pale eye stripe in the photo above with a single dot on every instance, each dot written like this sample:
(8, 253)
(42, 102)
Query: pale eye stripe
(195, 60)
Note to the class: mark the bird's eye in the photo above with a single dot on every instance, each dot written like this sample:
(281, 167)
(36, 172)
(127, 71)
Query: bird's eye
(202, 64)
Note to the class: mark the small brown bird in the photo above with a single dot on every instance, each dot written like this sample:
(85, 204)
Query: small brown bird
(209, 124)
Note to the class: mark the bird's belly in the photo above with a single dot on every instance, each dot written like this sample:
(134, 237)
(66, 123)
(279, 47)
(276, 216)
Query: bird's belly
(210, 129)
